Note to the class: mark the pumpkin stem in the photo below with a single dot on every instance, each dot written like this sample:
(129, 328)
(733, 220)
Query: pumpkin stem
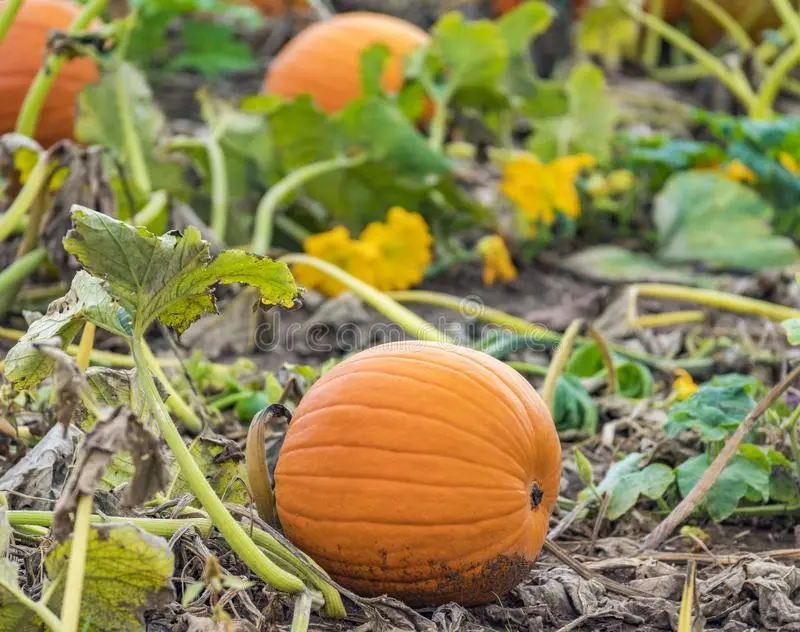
(256, 461)
(536, 495)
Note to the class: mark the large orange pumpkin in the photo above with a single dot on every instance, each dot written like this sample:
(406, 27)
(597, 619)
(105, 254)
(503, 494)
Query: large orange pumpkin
(421, 470)
(22, 53)
(324, 59)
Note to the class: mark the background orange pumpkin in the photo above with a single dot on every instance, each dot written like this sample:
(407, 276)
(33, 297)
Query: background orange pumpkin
(422, 470)
(22, 53)
(324, 59)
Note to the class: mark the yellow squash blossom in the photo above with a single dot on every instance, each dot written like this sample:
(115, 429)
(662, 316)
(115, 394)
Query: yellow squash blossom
(540, 190)
(621, 180)
(736, 170)
(336, 247)
(497, 262)
(789, 163)
(401, 247)
(684, 386)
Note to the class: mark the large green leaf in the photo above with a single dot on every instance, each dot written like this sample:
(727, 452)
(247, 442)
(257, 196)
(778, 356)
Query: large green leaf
(399, 170)
(651, 482)
(741, 476)
(613, 262)
(587, 126)
(709, 218)
(170, 277)
(713, 411)
(127, 572)
(87, 299)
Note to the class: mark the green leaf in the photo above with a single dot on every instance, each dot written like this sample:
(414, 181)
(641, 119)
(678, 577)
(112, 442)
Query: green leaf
(651, 482)
(634, 380)
(587, 126)
(87, 299)
(14, 616)
(373, 63)
(621, 468)
(211, 49)
(619, 264)
(713, 411)
(573, 407)
(783, 488)
(709, 218)
(607, 31)
(169, 277)
(127, 572)
(792, 328)
(469, 54)
(401, 168)
(584, 468)
(520, 25)
(732, 485)
(586, 361)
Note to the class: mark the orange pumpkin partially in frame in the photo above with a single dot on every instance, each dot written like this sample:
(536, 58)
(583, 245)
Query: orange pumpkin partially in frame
(324, 59)
(22, 53)
(421, 470)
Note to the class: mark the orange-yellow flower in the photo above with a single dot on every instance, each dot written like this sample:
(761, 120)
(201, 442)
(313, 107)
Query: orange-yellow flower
(621, 180)
(790, 163)
(540, 190)
(684, 386)
(737, 170)
(336, 247)
(497, 262)
(401, 249)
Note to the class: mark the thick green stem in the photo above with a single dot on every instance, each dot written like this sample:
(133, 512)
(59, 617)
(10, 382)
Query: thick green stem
(167, 527)
(231, 530)
(652, 40)
(41, 611)
(714, 298)
(219, 186)
(150, 211)
(175, 402)
(524, 328)
(771, 86)
(21, 269)
(73, 589)
(302, 611)
(527, 367)
(7, 17)
(740, 89)
(789, 16)
(381, 301)
(22, 203)
(40, 88)
(727, 22)
(262, 231)
(133, 149)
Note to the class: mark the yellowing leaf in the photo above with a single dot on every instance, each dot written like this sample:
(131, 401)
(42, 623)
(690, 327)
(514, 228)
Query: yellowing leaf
(127, 572)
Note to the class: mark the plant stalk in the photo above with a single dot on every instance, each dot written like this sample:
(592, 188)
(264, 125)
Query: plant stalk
(43, 612)
(175, 402)
(231, 530)
(438, 129)
(268, 205)
(22, 203)
(771, 86)
(71, 607)
(740, 89)
(7, 17)
(791, 430)
(737, 33)
(150, 211)
(85, 346)
(48, 73)
(715, 298)
(789, 16)
(381, 301)
(558, 363)
(20, 270)
(302, 611)
(219, 186)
